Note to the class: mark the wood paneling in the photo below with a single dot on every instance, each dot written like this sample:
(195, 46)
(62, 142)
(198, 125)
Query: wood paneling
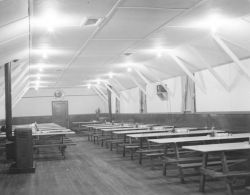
(237, 122)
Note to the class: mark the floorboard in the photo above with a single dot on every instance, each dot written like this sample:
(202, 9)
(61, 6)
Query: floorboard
(90, 169)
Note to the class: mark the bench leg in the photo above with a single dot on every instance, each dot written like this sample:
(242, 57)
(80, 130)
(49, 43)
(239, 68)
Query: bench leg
(124, 151)
(152, 162)
(181, 175)
(203, 176)
(164, 169)
(229, 186)
(140, 158)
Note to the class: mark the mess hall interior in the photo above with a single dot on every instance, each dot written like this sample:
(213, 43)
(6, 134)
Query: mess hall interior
(125, 97)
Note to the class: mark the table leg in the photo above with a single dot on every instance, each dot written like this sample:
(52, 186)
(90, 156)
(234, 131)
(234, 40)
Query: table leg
(111, 145)
(164, 167)
(88, 133)
(203, 176)
(226, 170)
(124, 150)
(140, 154)
(177, 154)
(102, 137)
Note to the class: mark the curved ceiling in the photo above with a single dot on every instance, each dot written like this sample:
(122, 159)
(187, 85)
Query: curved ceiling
(73, 43)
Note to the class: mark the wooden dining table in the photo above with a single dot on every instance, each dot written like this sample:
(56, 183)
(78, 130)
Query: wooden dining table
(142, 136)
(219, 149)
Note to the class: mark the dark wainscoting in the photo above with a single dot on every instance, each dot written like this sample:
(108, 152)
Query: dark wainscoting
(237, 122)
(48, 119)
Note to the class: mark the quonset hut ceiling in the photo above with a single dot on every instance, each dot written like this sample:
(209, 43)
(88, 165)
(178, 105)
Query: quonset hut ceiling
(78, 42)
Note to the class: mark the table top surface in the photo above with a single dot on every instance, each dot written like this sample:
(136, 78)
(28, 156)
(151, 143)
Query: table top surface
(100, 126)
(199, 138)
(124, 129)
(141, 131)
(165, 134)
(219, 147)
(44, 129)
(89, 122)
(113, 127)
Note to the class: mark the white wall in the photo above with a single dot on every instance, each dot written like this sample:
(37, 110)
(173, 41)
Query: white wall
(154, 103)
(217, 98)
(38, 103)
(132, 104)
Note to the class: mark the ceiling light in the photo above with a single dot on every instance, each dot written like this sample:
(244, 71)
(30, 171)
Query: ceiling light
(212, 22)
(159, 51)
(50, 29)
(129, 69)
(89, 86)
(38, 76)
(111, 75)
(51, 20)
(98, 82)
(45, 55)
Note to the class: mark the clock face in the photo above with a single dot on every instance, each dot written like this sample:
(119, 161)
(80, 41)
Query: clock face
(58, 93)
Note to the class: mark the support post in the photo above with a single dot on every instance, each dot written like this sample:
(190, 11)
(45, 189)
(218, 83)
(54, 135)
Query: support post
(8, 98)
(109, 104)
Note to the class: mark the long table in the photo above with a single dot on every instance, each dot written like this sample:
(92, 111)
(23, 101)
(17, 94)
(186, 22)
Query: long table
(220, 149)
(173, 142)
(143, 136)
(200, 138)
(49, 135)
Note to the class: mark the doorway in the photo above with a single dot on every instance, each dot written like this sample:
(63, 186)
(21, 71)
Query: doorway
(60, 113)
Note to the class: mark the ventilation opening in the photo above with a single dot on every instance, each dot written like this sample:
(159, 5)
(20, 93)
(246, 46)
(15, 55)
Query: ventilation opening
(91, 22)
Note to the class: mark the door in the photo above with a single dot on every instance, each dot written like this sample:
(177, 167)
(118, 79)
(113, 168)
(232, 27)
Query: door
(60, 114)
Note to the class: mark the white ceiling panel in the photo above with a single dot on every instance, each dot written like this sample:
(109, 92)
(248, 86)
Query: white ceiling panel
(75, 8)
(12, 10)
(135, 23)
(219, 8)
(130, 33)
(70, 38)
(106, 47)
(170, 4)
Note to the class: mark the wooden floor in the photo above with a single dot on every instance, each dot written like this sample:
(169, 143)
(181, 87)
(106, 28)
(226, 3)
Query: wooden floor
(91, 170)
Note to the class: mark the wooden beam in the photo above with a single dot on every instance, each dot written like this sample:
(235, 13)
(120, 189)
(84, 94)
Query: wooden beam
(118, 83)
(233, 42)
(101, 92)
(230, 53)
(20, 77)
(210, 69)
(21, 94)
(157, 80)
(184, 68)
(137, 84)
(115, 94)
(142, 76)
(98, 93)
(121, 94)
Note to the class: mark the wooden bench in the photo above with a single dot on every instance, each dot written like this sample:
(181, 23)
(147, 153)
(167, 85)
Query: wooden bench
(154, 155)
(226, 177)
(132, 148)
(112, 142)
(54, 143)
(214, 162)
